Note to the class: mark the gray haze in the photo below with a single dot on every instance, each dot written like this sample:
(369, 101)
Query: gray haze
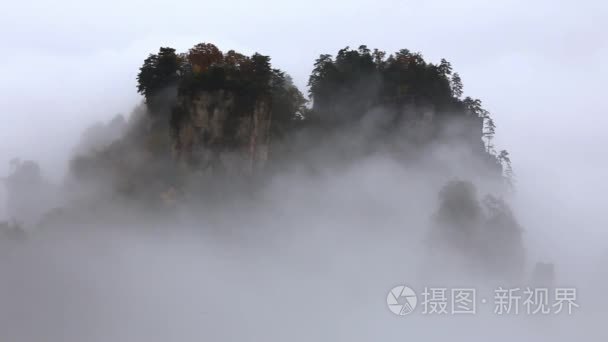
(538, 66)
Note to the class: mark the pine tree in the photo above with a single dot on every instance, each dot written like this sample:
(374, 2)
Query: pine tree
(488, 132)
(505, 161)
(456, 85)
(445, 68)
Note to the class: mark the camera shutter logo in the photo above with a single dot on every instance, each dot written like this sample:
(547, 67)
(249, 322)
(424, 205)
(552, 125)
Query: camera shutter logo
(401, 300)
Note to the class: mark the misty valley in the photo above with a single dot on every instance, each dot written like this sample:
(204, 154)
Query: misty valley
(232, 205)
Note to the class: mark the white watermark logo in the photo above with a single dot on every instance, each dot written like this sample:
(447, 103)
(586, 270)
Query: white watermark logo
(401, 300)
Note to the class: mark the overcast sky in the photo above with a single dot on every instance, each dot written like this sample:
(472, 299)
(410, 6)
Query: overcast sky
(539, 66)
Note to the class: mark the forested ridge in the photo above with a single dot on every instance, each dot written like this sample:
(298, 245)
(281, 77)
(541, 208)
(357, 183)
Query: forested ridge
(406, 97)
(213, 120)
(215, 128)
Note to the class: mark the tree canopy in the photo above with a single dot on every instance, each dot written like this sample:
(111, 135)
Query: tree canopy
(158, 72)
(347, 86)
(344, 89)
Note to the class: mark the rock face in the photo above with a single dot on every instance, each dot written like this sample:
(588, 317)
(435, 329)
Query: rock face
(221, 131)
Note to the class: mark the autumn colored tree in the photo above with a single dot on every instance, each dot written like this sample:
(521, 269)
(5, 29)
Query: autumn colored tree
(203, 55)
(206, 68)
(344, 90)
(236, 60)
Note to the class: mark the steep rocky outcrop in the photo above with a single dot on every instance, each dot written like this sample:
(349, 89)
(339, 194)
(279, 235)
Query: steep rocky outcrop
(214, 113)
(220, 130)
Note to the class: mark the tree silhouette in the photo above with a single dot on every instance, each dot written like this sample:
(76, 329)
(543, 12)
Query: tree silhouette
(488, 133)
(505, 160)
(159, 72)
(445, 68)
(345, 88)
(457, 85)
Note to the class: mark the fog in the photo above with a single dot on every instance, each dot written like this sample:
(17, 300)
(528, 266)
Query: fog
(313, 257)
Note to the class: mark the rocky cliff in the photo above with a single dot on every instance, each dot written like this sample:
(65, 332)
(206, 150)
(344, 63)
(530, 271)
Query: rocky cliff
(222, 130)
